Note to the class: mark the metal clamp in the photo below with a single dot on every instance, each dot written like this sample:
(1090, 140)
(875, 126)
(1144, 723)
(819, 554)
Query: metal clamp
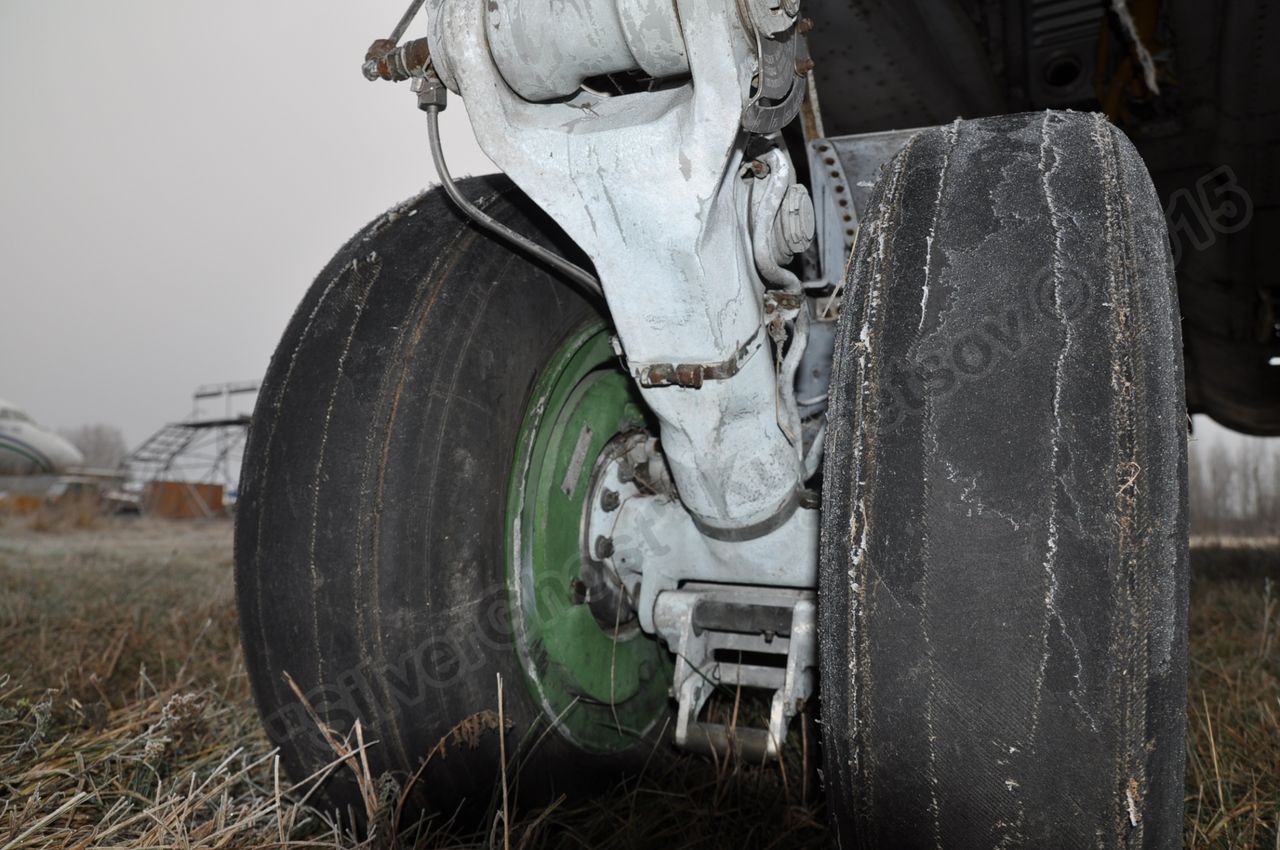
(692, 375)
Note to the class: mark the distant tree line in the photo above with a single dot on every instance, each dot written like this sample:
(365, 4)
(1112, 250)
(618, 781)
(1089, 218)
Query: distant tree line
(1235, 488)
(103, 446)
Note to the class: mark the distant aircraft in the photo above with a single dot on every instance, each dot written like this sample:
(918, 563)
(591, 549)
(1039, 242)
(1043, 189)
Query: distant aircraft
(27, 448)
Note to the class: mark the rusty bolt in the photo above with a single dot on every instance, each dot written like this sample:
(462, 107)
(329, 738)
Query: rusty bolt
(385, 61)
(603, 548)
(759, 168)
(577, 591)
(804, 66)
(805, 25)
(610, 500)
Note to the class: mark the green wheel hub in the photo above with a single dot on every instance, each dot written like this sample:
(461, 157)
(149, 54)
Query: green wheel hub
(602, 693)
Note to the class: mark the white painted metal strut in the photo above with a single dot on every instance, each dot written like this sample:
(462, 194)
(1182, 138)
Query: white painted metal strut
(648, 184)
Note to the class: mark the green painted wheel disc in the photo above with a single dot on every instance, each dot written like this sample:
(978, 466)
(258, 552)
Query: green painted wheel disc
(602, 694)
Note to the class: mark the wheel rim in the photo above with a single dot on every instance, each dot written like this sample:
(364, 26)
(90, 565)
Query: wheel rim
(602, 694)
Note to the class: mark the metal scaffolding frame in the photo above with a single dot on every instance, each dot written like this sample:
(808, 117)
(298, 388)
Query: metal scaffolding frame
(204, 448)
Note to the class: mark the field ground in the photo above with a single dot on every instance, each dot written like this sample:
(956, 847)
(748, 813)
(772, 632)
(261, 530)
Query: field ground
(125, 717)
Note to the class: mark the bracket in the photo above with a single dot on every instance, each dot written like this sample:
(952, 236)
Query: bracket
(721, 636)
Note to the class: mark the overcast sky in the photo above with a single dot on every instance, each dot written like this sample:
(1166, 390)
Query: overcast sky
(175, 173)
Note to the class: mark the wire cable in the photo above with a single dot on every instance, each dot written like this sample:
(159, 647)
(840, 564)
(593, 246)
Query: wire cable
(576, 273)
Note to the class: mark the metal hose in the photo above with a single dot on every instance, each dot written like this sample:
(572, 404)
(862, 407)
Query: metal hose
(576, 273)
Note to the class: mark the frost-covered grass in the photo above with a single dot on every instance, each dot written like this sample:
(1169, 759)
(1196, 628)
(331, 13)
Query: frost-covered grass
(1233, 772)
(125, 718)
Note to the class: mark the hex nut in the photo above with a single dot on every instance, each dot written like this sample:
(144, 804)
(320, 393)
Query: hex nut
(431, 92)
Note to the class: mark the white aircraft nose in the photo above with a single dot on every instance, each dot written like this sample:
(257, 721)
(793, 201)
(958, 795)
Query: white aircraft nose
(62, 453)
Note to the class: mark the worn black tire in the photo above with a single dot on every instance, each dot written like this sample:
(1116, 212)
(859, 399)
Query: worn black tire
(370, 529)
(1004, 559)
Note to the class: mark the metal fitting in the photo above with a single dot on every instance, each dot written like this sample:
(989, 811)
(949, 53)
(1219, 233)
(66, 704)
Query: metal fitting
(385, 61)
(795, 223)
(431, 92)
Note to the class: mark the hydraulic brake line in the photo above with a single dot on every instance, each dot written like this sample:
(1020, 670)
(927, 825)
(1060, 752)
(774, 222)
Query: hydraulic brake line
(578, 274)
(387, 59)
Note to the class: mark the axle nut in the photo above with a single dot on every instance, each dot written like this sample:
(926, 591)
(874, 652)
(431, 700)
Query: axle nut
(795, 222)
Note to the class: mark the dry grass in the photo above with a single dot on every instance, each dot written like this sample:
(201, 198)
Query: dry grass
(1233, 776)
(125, 719)
(81, 511)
